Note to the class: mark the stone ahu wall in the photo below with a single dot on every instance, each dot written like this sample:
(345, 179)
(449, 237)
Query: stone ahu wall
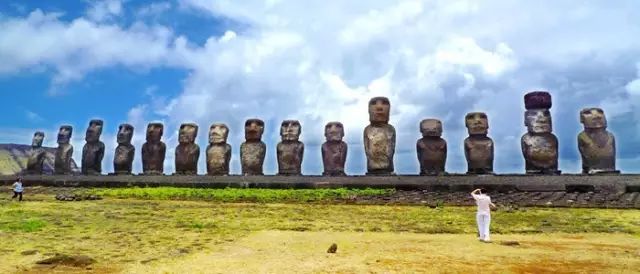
(607, 191)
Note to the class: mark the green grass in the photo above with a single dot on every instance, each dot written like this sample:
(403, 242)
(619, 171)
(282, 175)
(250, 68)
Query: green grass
(28, 225)
(14, 218)
(122, 231)
(238, 194)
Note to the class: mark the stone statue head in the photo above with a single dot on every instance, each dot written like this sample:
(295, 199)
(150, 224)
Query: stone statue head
(125, 134)
(334, 131)
(218, 133)
(431, 128)
(593, 118)
(94, 131)
(38, 137)
(253, 129)
(477, 123)
(64, 134)
(379, 108)
(187, 133)
(538, 121)
(290, 130)
(154, 132)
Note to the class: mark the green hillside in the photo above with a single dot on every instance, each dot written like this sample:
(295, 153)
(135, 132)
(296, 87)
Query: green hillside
(13, 159)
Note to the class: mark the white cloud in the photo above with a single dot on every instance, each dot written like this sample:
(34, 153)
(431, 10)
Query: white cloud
(319, 61)
(633, 87)
(104, 10)
(33, 117)
(154, 9)
(78, 47)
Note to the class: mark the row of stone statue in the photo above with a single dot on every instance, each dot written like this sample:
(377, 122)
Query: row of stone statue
(539, 145)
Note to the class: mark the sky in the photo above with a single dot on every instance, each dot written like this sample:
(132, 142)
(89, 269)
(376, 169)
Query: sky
(206, 61)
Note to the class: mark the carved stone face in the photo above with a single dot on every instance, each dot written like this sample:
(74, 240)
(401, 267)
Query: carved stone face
(187, 133)
(154, 132)
(218, 133)
(593, 118)
(290, 130)
(253, 129)
(538, 121)
(334, 131)
(477, 123)
(38, 137)
(379, 108)
(431, 128)
(125, 133)
(64, 134)
(94, 131)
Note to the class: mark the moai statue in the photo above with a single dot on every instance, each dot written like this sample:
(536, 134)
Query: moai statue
(539, 145)
(334, 150)
(379, 138)
(218, 151)
(37, 154)
(93, 150)
(253, 150)
(187, 151)
(431, 148)
(64, 152)
(597, 145)
(125, 151)
(290, 150)
(478, 147)
(154, 150)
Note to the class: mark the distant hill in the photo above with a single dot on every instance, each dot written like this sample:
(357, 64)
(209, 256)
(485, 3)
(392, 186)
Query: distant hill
(13, 159)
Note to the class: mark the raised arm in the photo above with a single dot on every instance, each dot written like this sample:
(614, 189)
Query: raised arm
(474, 193)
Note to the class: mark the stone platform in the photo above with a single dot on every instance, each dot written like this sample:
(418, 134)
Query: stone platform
(601, 191)
(625, 183)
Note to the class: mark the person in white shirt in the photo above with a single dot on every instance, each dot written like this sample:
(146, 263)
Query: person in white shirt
(17, 189)
(483, 216)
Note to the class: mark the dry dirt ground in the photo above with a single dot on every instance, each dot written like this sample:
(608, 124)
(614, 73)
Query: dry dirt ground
(166, 236)
(305, 252)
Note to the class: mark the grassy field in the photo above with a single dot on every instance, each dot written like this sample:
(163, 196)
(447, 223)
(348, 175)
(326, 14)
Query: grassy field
(236, 194)
(158, 235)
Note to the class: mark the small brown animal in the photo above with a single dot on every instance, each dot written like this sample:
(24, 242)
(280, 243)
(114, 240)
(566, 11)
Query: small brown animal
(333, 248)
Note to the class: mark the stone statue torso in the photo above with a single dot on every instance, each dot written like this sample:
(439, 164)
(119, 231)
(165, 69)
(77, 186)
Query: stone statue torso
(290, 157)
(598, 151)
(92, 154)
(62, 162)
(334, 156)
(153, 155)
(432, 155)
(218, 156)
(479, 153)
(36, 160)
(252, 157)
(380, 147)
(123, 158)
(187, 158)
(540, 152)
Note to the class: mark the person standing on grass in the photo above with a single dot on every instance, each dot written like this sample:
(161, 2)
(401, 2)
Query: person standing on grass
(483, 216)
(17, 189)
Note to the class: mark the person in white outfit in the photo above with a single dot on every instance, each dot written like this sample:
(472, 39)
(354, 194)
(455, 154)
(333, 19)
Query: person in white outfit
(17, 189)
(483, 216)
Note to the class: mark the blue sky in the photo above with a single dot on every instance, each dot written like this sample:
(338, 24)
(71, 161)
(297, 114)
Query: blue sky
(205, 61)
